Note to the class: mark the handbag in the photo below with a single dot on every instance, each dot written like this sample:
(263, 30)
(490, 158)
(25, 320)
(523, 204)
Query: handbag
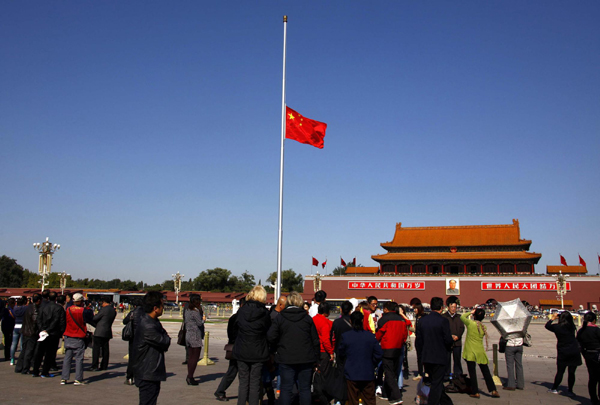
(127, 332)
(87, 340)
(527, 341)
(335, 382)
(181, 334)
(502, 345)
(228, 351)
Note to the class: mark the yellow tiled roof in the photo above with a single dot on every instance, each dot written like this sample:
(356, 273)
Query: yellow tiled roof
(472, 235)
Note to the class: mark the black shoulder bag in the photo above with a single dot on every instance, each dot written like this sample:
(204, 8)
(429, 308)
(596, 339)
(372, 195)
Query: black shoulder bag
(127, 332)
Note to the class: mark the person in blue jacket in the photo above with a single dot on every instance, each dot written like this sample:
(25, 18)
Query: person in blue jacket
(362, 353)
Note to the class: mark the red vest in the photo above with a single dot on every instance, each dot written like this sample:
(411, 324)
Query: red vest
(74, 312)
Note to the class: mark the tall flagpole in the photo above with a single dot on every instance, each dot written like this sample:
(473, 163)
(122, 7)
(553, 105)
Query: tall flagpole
(280, 233)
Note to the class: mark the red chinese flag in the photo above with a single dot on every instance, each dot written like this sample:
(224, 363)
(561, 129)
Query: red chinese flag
(304, 130)
(315, 262)
(343, 262)
(354, 262)
(324, 263)
(582, 262)
(562, 260)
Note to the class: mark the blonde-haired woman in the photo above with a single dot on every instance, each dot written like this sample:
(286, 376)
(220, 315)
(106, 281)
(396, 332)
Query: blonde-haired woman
(251, 350)
(295, 336)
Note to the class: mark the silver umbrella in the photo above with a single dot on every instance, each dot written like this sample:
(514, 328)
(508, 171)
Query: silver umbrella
(511, 319)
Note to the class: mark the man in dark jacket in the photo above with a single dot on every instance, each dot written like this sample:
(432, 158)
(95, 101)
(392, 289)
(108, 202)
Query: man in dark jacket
(29, 334)
(229, 377)
(103, 321)
(150, 342)
(341, 325)
(52, 321)
(295, 337)
(362, 353)
(8, 326)
(457, 328)
(434, 342)
(134, 317)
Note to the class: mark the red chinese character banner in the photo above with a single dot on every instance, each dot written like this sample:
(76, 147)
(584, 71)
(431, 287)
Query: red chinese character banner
(402, 286)
(521, 286)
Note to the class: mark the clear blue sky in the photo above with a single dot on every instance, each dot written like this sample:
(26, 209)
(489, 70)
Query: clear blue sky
(143, 136)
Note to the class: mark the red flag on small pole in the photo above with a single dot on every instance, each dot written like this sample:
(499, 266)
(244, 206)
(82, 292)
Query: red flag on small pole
(315, 262)
(324, 263)
(562, 260)
(343, 262)
(354, 262)
(582, 262)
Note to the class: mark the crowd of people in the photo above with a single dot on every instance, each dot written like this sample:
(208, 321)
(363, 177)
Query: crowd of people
(366, 345)
(293, 348)
(364, 351)
(39, 323)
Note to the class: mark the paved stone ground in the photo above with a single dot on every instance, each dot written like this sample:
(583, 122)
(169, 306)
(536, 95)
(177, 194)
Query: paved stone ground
(106, 387)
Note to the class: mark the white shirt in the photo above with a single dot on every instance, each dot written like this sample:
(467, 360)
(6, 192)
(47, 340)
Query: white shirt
(515, 342)
(314, 309)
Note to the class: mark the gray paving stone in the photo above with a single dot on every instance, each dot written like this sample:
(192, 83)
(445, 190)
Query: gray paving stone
(106, 387)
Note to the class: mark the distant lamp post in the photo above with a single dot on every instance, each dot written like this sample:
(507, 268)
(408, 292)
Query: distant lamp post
(177, 285)
(63, 282)
(46, 250)
(561, 287)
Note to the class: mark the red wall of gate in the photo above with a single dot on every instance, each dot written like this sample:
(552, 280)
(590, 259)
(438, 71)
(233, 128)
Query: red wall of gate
(584, 289)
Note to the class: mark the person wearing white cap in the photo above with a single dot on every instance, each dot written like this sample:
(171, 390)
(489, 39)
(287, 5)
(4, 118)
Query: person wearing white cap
(75, 334)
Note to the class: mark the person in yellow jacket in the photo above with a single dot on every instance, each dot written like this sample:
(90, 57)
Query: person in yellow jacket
(474, 352)
(368, 323)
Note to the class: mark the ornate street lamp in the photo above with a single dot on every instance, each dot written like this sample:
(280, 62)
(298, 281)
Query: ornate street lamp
(561, 287)
(177, 285)
(63, 282)
(46, 250)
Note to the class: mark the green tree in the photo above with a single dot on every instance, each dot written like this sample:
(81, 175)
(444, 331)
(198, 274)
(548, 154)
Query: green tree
(290, 281)
(129, 285)
(169, 285)
(339, 271)
(30, 279)
(216, 279)
(187, 285)
(243, 283)
(11, 273)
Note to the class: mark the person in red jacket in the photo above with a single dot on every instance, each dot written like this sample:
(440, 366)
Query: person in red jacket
(74, 339)
(323, 325)
(392, 331)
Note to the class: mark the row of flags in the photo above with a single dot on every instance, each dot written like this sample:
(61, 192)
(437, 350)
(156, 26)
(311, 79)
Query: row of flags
(315, 262)
(563, 261)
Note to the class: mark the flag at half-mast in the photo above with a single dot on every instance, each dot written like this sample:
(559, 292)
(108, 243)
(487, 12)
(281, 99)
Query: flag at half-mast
(324, 264)
(315, 262)
(304, 130)
(582, 262)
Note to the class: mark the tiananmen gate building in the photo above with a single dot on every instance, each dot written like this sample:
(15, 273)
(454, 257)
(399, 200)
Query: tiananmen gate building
(476, 263)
